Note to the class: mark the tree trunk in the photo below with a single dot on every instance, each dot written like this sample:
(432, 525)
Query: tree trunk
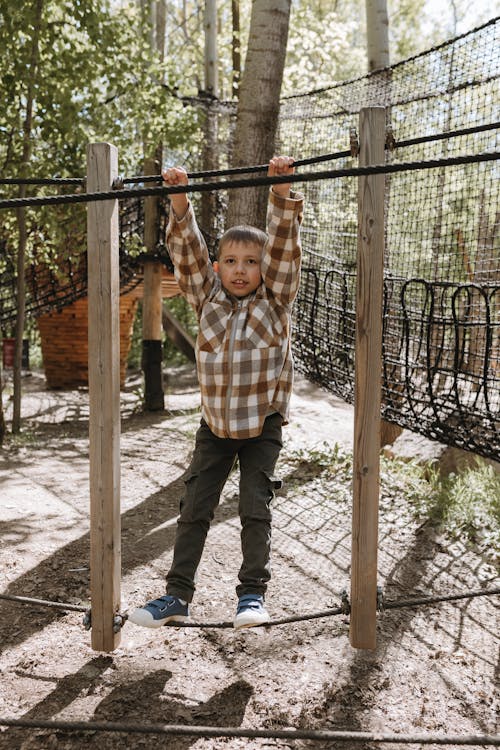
(21, 216)
(377, 34)
(210, 145)
(236, 47)
(3, 427)
(258, 105)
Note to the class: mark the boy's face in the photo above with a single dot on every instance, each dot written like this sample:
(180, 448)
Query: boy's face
(239, 267)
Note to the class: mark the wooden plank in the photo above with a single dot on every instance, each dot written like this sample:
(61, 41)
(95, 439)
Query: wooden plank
(104, 397)
(368, 382)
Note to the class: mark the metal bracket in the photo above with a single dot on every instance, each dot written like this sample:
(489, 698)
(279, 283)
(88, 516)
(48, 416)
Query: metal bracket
(87, 619)
(390, 140)
(353, 142)
(345, 605)
(380, 599)
(118, 183)
(118, 621)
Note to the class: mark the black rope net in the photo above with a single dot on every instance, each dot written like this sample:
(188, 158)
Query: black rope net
(56, 271)
(441, 342)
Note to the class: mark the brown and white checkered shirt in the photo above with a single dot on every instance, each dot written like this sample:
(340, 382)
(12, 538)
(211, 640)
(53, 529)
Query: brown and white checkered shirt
(243, 352)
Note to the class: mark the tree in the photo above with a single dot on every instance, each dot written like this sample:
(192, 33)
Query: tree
(66, 78)
(258, 105)
(377, 34)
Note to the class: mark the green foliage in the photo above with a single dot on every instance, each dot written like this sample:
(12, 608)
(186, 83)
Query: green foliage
(322, 47)
(465, 506)
(468, 505)
(97, 80)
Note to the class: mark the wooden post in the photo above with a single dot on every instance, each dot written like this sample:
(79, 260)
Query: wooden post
(152, 305)
(104, 397)
(368, 382)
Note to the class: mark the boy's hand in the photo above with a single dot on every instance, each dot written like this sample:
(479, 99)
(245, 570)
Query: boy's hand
(177, 176)
(280, 165)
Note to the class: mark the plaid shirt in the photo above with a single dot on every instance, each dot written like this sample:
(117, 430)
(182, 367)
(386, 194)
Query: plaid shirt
(243, 352)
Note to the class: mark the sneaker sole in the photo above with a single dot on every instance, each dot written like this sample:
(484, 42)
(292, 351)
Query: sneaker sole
(245, 622)
(144, 619)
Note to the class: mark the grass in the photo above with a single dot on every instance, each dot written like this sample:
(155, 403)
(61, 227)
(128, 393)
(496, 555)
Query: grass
(465, 505)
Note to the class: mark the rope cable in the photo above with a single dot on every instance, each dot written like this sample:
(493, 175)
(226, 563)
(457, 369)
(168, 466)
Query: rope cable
(344, 609)
(285, 734)
(447, 134)
(241, 170)
(44, 603)
(42, 181)
(251, 169)
(261, 181)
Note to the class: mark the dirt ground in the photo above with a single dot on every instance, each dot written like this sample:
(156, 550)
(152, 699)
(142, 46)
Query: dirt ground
(435, 668)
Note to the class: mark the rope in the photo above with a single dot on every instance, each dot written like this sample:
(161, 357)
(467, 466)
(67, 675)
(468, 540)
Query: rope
(248, 170)
(241, 170)
(229, 184)
(270, 623)
(43, 181)
(44, 603)
(285, 734)
(344, 609)
(447, 134)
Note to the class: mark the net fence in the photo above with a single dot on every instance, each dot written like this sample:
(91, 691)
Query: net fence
(441, 317)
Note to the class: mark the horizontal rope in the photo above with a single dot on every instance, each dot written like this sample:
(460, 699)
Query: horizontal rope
(261, 181)
(241, 170)
(448, 134)
(344, 609)
(42, 181)
(44, 603)
(436, 599)
(249, 170)
(270, 623)
(329, 735)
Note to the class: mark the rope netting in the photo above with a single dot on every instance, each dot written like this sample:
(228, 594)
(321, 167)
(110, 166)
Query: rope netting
(441, 360)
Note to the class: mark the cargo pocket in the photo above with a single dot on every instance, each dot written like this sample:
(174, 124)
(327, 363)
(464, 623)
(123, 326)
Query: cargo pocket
(255, 502)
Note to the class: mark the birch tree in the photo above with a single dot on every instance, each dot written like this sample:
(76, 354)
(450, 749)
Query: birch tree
(258, 105)
(377, 34)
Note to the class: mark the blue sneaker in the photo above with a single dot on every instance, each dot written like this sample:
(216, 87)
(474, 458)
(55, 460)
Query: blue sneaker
(251, 611)
(156, 613)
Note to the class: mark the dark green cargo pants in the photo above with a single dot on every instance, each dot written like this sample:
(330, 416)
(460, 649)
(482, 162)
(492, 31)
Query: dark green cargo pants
(212, 462)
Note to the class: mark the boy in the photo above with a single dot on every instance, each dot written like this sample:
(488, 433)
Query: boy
(245, 373)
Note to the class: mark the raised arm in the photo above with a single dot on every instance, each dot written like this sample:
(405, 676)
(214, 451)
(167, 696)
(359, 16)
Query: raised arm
(186, 245)
(282, 253)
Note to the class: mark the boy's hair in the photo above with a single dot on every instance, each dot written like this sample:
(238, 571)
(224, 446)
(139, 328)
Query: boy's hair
(242, 233)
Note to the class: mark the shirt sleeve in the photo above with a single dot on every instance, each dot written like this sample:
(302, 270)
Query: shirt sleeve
(282, 252)
(188, 251)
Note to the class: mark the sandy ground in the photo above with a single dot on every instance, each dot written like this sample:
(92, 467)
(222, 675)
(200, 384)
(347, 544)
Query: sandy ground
(435, 668)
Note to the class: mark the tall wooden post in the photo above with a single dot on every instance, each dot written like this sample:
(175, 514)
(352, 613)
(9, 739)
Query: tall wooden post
(368, 382)
(152, 305)
(104, 397)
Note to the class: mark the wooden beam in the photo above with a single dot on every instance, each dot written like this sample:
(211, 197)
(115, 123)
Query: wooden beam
(104, 397)
(184, 342)
(368, 382)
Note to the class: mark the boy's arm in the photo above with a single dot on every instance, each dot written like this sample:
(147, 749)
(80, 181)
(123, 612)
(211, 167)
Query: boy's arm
(282, 253)
(186, 245)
